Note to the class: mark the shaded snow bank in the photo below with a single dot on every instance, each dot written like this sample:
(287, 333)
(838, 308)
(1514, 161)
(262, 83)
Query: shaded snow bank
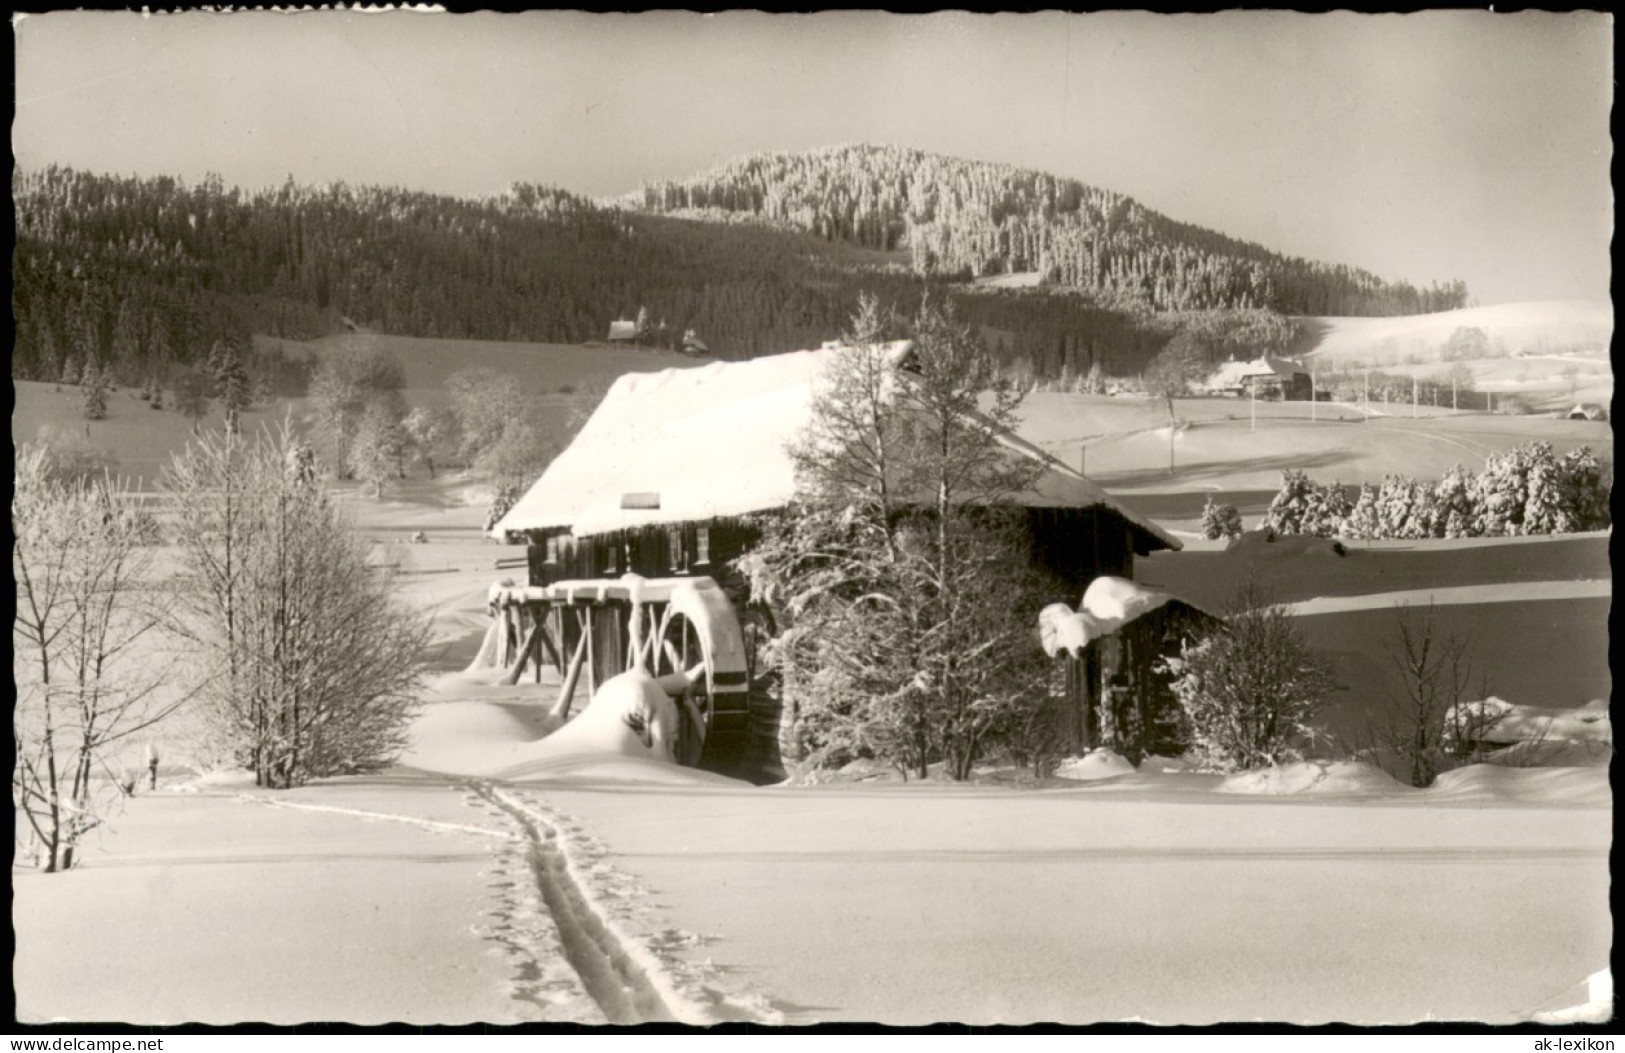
(1587, 786)
(1095, 765)
(1314, 777)
(1579, 785)
(1506, 723)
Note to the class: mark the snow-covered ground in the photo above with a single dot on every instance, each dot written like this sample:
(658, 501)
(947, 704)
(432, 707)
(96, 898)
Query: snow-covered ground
(492, 878)
(932, 903)
(1314, 893)
(218, 910)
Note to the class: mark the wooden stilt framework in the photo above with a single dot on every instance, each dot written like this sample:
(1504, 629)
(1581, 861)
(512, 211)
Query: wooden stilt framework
(608, 627)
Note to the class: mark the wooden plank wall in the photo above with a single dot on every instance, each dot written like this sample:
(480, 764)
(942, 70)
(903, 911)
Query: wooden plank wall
(654, 552)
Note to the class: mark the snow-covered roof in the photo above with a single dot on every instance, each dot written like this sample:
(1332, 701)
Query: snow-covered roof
(1108, 604)
(711, 441)
(623, 330)
(1235, 374)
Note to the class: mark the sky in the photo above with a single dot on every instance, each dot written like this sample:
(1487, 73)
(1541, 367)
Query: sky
(1430, 146)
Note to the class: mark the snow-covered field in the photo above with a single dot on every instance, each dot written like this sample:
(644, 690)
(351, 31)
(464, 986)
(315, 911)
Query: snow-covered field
(602, 887)
(1173, 898)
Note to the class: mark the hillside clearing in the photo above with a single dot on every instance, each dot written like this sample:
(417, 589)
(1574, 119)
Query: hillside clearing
(1528, 327)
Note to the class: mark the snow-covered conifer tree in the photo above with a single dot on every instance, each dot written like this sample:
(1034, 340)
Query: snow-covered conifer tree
(1453, 511)
(1499, 492)
(94, 387)
(1362, 520)
(1395, 512)
(1291, 504)
(1328, 507)
(902, 643)
(1220, 520)
(1586, 483)
(1544, 510)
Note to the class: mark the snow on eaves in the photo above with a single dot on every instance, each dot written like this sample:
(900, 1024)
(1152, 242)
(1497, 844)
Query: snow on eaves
(711, 442)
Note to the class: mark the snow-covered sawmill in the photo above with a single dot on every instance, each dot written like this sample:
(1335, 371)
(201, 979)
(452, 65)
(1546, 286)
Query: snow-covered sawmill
(642, 516)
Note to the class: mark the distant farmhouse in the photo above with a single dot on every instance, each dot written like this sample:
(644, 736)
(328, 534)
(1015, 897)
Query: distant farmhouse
(1263, 377)
(630, 333)
(624, 331)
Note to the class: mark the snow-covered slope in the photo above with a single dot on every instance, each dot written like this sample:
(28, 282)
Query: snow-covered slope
(1541, 326)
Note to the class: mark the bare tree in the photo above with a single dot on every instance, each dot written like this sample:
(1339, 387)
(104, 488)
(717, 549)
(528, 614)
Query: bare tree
(427, 433)
(517, 455)
(192, 397)
(1169, 376)
(1427, 720)
(349, 381)
(308, 661)
(376, 449)
(484, 402)
(503, 441)
(84, 635)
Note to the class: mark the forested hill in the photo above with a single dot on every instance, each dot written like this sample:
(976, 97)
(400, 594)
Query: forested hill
(144, 276)
(967, 219)
(139, 273)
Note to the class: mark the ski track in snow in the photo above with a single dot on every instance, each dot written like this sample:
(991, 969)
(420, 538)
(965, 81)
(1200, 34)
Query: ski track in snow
(358, 813)
(522, 925)
(525, 927)
(634, 979)
(560, 908)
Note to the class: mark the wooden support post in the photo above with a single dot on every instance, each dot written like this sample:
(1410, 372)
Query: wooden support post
(547, 645)
(567, 692)
(524, 654)
(509, 631)
(592, 658)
